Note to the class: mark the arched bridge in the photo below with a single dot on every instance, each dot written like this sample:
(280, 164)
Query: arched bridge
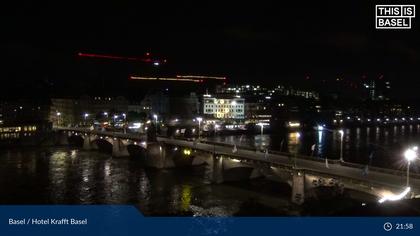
(225, 163)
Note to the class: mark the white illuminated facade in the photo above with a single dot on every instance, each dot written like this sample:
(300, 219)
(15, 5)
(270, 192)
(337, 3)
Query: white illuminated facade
(224, 108)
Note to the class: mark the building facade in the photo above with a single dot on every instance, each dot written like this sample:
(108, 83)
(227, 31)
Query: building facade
(223, 108)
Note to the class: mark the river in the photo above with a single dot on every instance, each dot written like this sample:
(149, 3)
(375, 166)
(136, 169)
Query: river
(69, 175)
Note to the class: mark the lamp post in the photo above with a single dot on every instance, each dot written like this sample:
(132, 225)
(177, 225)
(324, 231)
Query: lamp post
(125, 120)
(410, 154)
(58, 118)
(262, 127)
(298, 135)
(199, 119)
(341, 144)
(156, 121)
(86, 115)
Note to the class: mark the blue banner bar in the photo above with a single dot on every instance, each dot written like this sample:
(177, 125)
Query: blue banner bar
(127, 220)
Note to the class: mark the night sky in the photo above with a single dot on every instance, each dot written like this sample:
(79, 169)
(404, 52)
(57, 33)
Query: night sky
(258, 42)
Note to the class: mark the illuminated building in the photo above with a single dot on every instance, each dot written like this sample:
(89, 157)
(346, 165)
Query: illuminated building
(223, 108)
(378, 89)
(257, 90)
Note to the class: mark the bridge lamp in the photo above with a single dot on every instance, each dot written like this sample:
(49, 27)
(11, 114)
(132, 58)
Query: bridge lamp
(187, 152)
(262, 127)
(341, 144)
(86, 115)
(58, 118)
(410, 155)
(199, 119)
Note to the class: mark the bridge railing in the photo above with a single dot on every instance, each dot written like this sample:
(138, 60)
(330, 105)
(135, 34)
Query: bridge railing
(105, 133)
(382, 170)
(330, 161)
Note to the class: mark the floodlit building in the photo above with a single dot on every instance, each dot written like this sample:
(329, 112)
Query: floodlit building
(223, 108)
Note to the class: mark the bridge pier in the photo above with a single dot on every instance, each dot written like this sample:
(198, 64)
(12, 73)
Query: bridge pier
(119, 149)
(63, 138)
(217, 175)
(157, 156)
(298, 187)
(87, 143)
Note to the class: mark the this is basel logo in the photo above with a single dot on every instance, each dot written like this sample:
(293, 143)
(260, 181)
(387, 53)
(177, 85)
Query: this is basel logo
(394, 16)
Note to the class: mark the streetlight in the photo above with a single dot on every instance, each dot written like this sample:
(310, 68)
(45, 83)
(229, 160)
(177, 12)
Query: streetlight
(58, 118)
(341, 144)
(124, 125)
(156, 118)
(297, 135)
(320, 128)
(86, 115)
(156, 121)
(216, 127)
(410, 154)
(199, 119)
(262, 127)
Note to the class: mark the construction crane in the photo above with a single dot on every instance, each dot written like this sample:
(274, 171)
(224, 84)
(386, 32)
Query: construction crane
(146, 59)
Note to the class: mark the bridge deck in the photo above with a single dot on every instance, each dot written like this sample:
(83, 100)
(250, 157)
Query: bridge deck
(376, 176)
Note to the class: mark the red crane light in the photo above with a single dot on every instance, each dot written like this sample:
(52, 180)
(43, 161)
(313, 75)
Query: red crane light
(112, 57)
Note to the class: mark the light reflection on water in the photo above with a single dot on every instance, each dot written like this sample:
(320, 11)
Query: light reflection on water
(72, 176)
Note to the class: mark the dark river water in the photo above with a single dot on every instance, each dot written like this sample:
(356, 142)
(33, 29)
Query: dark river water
(62, 175)
(377, 146)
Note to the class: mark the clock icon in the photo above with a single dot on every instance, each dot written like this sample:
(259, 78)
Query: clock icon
(387, 226)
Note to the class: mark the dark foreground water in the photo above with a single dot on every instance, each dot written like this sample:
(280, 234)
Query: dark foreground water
(72, 176)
